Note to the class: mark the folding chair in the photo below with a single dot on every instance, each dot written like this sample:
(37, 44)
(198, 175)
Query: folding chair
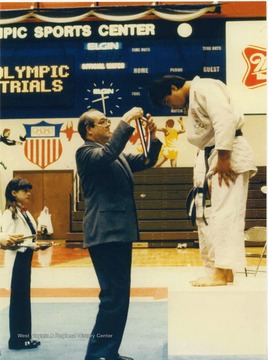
(256, 235)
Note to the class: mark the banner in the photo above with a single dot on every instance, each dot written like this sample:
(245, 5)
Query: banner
(246, 64)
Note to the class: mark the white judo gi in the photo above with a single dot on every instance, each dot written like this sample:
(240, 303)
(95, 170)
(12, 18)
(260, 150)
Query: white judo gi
(213, 121)
(206, 245)
(9, 226)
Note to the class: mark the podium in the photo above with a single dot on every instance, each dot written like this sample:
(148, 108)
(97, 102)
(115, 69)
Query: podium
(222, 320)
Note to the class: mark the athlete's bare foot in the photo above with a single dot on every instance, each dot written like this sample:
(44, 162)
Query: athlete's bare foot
(208, 281)
(229, 275)
(218, 278)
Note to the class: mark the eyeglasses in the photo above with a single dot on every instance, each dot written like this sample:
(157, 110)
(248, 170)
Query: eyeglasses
(104, 122)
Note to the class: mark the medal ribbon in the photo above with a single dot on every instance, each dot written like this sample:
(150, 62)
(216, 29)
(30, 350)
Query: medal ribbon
(144, 135)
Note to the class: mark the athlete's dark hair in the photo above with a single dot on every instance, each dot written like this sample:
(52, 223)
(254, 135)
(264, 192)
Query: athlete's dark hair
(160, 88)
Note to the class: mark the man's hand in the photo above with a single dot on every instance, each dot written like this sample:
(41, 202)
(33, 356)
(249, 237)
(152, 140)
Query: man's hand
(224, 169)
(151, 126)
(134, 113)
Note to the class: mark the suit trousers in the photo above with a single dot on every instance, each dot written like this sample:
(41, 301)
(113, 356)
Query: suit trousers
(112, 263)
(20, 318)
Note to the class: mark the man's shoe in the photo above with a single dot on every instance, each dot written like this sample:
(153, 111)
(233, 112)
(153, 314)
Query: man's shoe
(29, 344)
(118, 358)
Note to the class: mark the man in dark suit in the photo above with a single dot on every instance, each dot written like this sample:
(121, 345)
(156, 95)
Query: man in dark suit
(110, 220)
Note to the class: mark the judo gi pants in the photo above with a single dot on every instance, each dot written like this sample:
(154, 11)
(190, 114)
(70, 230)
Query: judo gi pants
(227, 222)
(206, 245)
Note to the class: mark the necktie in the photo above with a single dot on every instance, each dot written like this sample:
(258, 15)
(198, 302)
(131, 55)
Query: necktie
(29, 223)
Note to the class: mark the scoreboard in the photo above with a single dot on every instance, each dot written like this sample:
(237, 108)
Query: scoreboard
(60, 71)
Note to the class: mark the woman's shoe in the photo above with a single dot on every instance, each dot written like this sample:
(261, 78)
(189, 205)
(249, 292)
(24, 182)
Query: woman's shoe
(37, 342)
(24, 345)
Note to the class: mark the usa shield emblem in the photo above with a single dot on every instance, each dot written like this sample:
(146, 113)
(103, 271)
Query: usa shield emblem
(43, 146)
(255, 58)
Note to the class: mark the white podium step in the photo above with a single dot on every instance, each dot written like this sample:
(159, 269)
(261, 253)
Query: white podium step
(224, 320)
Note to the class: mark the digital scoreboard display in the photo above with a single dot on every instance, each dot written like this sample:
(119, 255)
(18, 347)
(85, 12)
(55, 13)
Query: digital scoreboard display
(61, 71)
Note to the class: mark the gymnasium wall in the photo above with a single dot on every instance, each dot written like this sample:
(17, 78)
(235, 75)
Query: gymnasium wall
(42, 123)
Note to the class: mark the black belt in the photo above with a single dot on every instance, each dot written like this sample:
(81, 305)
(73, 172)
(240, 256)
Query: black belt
(238, 133)
(190, 200)
(208, 149)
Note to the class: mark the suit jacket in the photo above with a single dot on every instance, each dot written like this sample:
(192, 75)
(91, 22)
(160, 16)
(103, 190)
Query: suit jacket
(107, 182)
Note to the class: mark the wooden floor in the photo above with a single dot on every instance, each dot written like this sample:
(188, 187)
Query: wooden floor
(61, 256)
(60, 260)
